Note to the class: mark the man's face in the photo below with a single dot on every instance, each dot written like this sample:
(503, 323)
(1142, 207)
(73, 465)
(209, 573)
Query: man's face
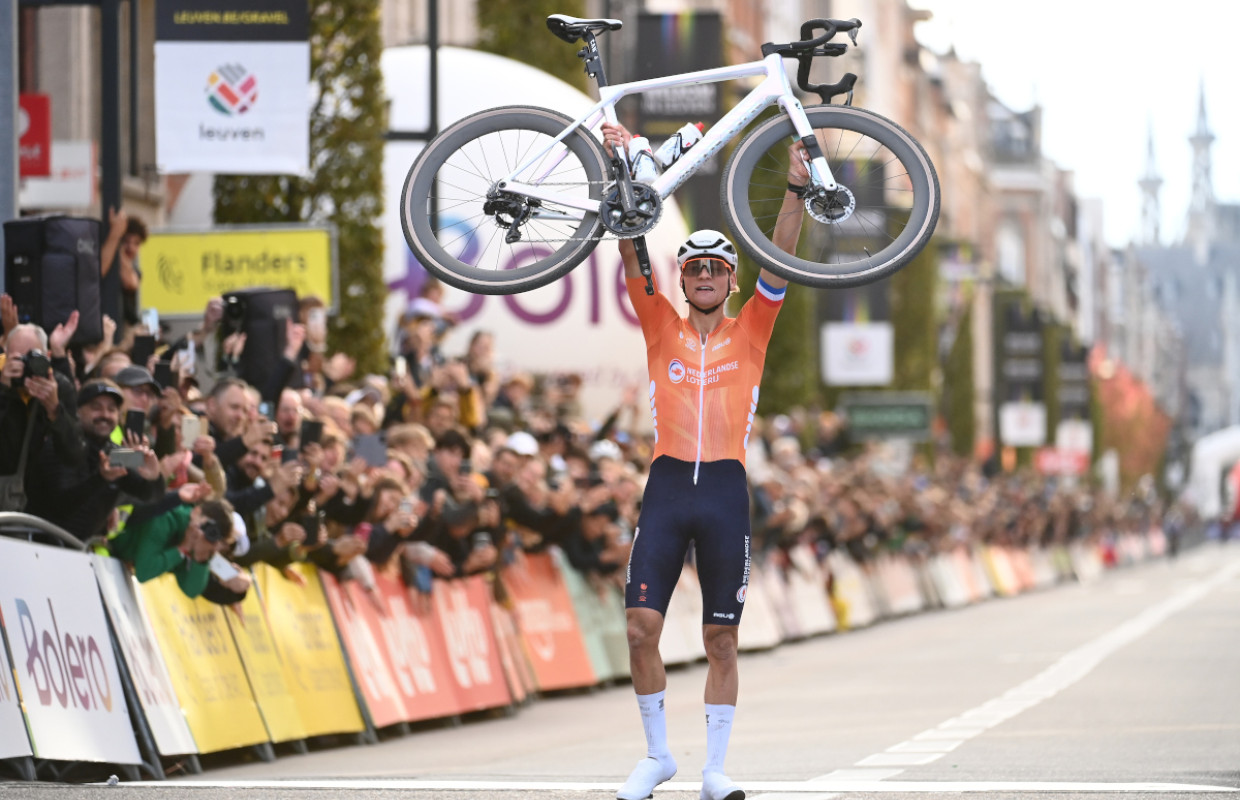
(130, 243)
(252, 462)
(228, 411)
(706, 281)
(505, 465)
(100, 416)
(449, 459)
(21, 341)
(440, 419)
(288, 413)
(140, 398)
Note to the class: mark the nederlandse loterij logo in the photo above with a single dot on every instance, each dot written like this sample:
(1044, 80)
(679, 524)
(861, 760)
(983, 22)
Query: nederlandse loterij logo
(232, 89)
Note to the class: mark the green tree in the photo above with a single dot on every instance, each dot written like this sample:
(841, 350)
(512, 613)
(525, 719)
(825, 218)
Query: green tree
(345, 188)
(517, 29)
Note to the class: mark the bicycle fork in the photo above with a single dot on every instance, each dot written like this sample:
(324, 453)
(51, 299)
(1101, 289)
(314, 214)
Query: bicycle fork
(819, 171)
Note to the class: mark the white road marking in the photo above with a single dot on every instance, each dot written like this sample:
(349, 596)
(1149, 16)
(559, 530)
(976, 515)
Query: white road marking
(1054, 679)
(802, 789)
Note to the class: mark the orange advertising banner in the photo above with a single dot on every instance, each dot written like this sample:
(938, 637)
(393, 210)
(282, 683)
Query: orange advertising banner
(463, 609)
(372, 668)
(548, 624)
(415, 648)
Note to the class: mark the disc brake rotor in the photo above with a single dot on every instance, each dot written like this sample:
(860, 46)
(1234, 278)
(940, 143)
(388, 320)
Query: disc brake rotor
(832, 208)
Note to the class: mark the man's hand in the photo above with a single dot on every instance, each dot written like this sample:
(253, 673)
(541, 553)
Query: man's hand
(234, 345)
(798, 164)
(45, 391)
(258, 433)
(295, 335)
(347, 548)
(285, 477)
(239, 583)
(58, 340)
(109, 331)
(290, 533)
(118, 221)
(108, 472)
(194, 493)
(616, 135)
(8, 314)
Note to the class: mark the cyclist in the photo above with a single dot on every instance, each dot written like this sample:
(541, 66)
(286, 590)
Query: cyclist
(705, 369)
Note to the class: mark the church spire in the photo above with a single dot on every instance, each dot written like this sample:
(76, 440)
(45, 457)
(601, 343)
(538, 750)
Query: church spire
(1150, 184)
(1201, 206)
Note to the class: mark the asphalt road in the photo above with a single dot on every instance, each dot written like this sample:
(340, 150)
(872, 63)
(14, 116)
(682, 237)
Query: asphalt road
(1126, 686)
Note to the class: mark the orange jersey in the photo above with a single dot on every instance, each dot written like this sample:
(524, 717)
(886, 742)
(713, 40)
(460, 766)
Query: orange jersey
(704, 390)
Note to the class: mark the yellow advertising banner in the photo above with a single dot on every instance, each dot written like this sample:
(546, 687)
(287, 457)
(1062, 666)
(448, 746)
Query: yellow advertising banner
(182, 271)
(206, 671)
(305, 636)
(267, 675)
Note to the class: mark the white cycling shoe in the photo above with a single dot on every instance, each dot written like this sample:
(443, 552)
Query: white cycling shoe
(717, 786)
(648, 773)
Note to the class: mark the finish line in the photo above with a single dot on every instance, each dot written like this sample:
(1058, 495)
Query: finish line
(750, 787)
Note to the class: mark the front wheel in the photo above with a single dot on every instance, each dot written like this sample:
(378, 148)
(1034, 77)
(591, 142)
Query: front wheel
(473, 236)
(880, 218)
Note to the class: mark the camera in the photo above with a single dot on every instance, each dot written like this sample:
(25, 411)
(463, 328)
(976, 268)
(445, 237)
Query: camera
(466, 467)
(481, 539)
(37, 364)
(211, 531)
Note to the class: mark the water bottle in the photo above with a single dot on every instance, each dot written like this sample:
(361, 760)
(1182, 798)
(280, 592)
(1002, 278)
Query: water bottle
(680, 141)
(641, 161)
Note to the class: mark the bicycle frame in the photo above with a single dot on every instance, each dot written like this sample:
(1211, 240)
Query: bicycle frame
(774, 88)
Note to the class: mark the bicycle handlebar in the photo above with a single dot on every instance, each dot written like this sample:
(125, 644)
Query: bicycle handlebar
(805, 50)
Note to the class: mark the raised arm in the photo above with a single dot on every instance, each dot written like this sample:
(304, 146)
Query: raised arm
(614, 135)
(791, 213)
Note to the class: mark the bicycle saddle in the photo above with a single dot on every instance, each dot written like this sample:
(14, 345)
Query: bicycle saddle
(571, 29)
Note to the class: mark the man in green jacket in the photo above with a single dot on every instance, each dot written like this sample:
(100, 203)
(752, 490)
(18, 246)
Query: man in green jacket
(181, 541)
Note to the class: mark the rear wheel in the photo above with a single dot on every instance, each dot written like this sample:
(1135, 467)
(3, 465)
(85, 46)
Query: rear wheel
(472, 235)
(880, 218)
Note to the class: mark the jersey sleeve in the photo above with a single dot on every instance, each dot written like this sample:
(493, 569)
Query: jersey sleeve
(759, 313)
(653, 310)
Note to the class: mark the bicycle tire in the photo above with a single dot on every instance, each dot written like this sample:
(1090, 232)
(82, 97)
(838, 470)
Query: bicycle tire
(860, 247)
(464, 246)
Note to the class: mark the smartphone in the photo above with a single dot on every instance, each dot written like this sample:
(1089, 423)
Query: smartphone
(150, 318)
(135, 423)
(142, 350)
(401, 368)
(164, 376)
(406, 506)
(316, 323)
(370, 448)
(222, 568)
(126, 458)
(191, 429)
(311, 432)
(466, 467)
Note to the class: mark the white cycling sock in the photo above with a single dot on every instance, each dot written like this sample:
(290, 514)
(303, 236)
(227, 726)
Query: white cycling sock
(654, 723)
(718, 729)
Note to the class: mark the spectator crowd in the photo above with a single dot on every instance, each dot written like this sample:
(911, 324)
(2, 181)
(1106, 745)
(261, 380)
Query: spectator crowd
(156, 452)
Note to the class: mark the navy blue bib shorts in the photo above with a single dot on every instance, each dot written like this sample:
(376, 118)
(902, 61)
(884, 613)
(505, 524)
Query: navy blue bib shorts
(713, 514)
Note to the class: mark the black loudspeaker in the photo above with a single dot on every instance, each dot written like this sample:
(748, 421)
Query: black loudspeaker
(262, 315)
(51, 268)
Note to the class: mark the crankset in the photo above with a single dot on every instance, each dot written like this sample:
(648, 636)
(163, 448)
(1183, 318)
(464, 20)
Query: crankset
(648, 207)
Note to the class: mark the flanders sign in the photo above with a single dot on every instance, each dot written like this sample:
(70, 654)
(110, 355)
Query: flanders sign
(185, 269)
(888, 415)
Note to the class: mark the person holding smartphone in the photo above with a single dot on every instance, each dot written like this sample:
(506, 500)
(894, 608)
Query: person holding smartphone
(108, 471)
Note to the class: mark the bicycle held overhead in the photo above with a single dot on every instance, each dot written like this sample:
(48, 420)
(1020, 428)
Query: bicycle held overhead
(513, 198)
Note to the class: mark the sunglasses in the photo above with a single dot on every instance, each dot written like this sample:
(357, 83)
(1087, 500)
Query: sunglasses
(713, 266)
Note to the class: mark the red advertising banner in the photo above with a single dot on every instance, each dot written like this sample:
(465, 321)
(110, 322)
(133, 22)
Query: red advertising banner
(463, 608)
(372, 668)
(547, 624)
(415, 647)
(34, 130)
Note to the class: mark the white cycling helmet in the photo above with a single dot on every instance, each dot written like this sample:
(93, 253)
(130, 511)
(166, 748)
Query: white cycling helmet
(706, 244)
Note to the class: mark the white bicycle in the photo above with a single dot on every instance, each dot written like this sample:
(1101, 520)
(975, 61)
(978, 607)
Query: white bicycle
(513, 198)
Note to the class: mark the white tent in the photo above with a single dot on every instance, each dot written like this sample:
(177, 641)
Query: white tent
(1213, 457)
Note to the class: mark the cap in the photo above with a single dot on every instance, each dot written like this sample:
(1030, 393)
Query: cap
(133, 376)
(605, 448)
(522, 443)
(94, 389)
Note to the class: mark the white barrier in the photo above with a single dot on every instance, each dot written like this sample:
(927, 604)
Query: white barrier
(146, 664)
(807, 589)
(66, 671)
(851, 592)
(760, 630)
(14, 742)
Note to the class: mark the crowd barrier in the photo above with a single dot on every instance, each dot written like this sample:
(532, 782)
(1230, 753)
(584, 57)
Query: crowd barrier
(108, 669)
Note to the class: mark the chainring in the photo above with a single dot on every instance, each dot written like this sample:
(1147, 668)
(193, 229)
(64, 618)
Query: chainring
(649, 207)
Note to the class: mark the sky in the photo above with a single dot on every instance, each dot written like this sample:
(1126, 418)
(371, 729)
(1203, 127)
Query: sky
(1104, 72)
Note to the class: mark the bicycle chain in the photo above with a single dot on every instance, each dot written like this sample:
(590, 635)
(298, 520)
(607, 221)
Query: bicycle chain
(606, 236)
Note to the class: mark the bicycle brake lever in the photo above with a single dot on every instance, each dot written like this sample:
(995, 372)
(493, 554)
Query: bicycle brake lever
(853, 35)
